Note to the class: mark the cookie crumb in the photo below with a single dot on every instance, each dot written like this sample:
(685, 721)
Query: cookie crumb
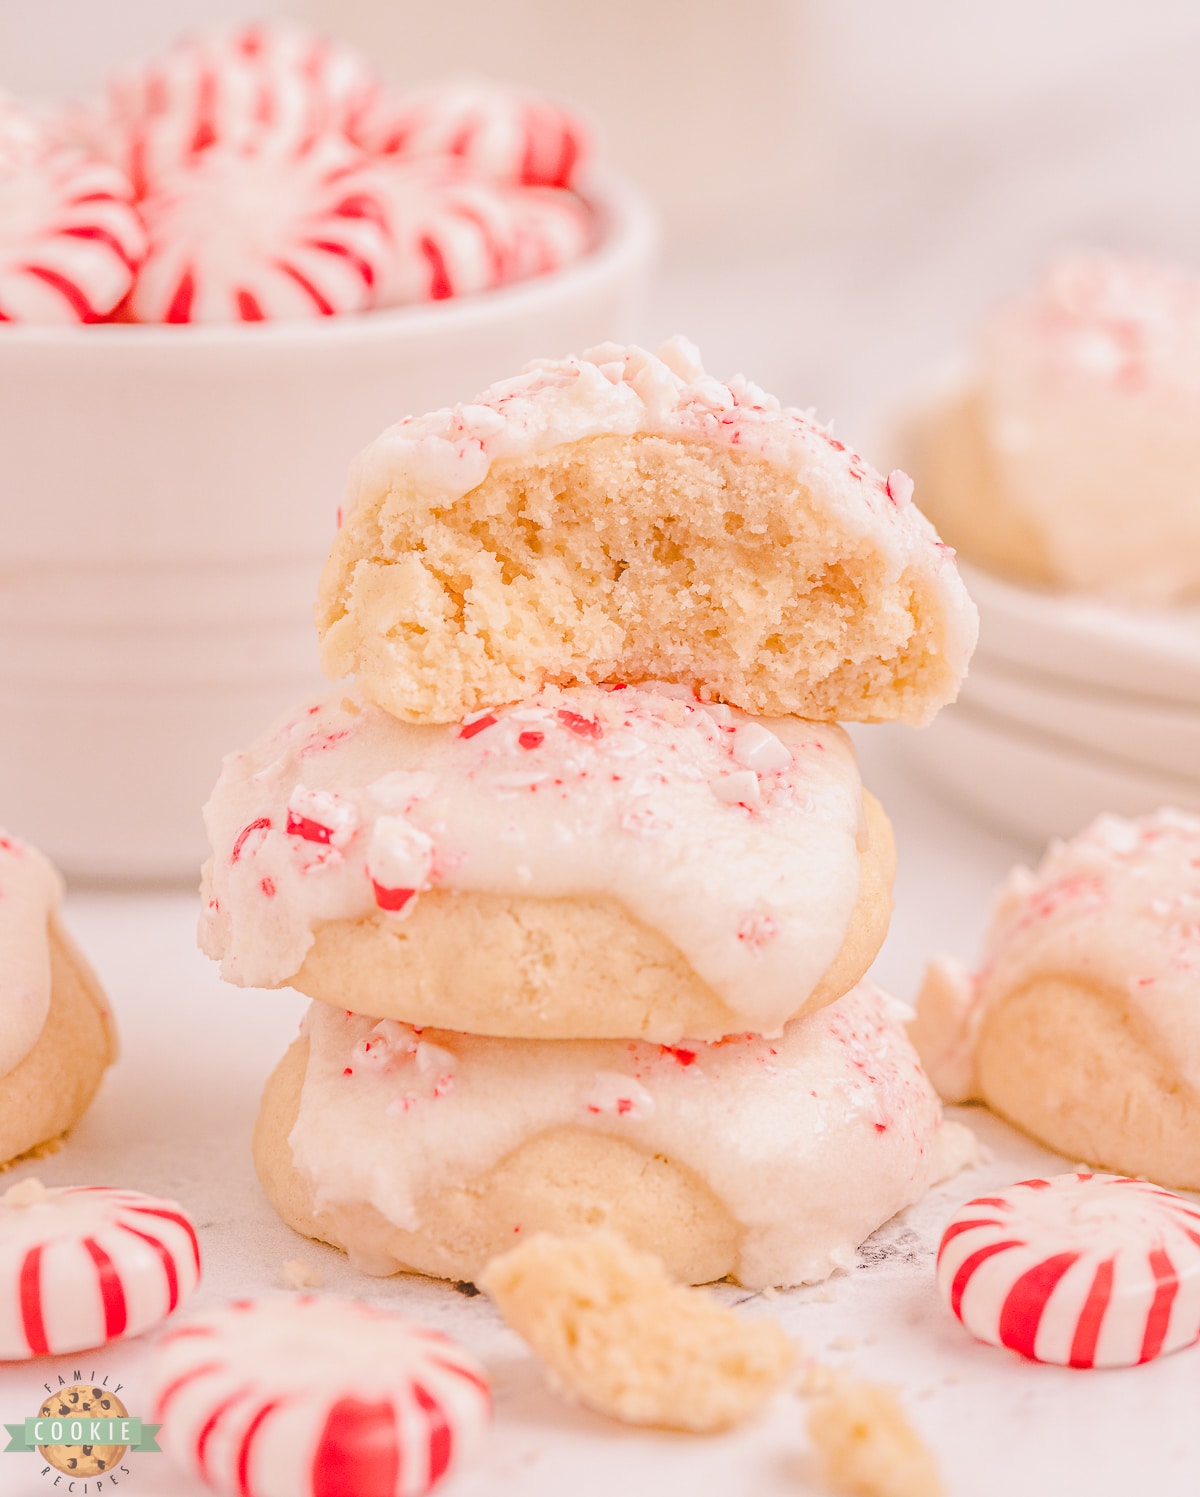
(843, 1343)
(815, 1380)
(29, 1192)
(297, 1274)
(617, 1334)
(867, 1445)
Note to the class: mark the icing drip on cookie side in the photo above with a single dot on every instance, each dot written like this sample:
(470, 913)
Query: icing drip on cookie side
(811, 1140)
(735, 838)
(30, 889)
(1116, 908)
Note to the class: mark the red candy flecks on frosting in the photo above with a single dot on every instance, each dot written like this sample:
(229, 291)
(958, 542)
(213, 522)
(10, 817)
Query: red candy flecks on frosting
(253, 234)
(277, 82)
(455, 233)
(70, 238)
(1078, 1270)
(316, 1396)
(81, 1266)
(503, 133)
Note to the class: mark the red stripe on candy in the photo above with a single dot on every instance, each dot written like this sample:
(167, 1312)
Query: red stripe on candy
(98, 235)
(112, 1291)
(31, 1302)
(1159, 1317)
(209, 1428)
(359, 1451)
(177, 1385)
(439, 278)
(180, 307)
(301, 280)
(68, 290)
(1091, 1317)
(249, 308)
(465, 1373)
(180, 1221)
(304, 826)
(164, 1257)
(1025, 1303)
(247, 1446)
(956, 1229)
(968, 1266)
(441, 1440)
(332, 247)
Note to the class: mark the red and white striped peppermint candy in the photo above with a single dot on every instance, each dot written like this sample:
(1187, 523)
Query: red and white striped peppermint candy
(85, 1265)
(232, 88)
(70, 237)
(504, 134)
(315, 1396)
(264, 233)
(1079, 1270)
(455, 234)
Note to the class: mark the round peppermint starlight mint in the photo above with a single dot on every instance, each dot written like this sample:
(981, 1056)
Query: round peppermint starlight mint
(1079, 1270)
(70, 239)
(315, 1396)
(84, 1265)
(258, 233)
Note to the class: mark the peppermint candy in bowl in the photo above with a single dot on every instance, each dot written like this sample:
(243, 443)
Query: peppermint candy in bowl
(253, 233)
(507, 135)
(1079, 1270)
(84, 1265)
(315, 1396)
(70, 238)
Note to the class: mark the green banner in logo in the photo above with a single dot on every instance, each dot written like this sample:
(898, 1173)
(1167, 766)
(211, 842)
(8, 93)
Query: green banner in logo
(22, 1438)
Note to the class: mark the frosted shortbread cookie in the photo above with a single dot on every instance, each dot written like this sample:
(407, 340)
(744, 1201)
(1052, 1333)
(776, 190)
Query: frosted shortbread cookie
(56, 1029)
(618, 1335)
(1081, 1024)
(765, 1160)
(1071, 457)
(591, 863)
(627, 517)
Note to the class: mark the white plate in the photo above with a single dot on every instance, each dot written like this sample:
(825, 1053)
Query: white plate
(1162, 737)
(1146, 652)
(1033, 785)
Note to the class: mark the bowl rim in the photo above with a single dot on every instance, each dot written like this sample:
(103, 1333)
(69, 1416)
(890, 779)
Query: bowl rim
(630, 235)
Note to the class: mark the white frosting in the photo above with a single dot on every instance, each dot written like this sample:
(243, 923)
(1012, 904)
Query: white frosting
(626, 391)
(30, 889)
(810, 1141)
(734, 837)
(1117, 907)
(1091, 395)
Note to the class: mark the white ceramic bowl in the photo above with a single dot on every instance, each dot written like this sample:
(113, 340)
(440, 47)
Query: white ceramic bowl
(1146, 734)
(1147, 653)
(167, 497)
(1031, 784)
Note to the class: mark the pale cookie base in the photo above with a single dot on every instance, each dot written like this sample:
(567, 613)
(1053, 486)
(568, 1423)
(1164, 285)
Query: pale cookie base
(619, 1336)
(630, 559)
(867, 1445)
(560, 968)
(953, 472)
(51, 1088)
(567, 1180)
(1066, 1062)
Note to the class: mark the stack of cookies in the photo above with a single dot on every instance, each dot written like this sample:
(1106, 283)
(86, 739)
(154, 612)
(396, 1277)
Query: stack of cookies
(579, 871)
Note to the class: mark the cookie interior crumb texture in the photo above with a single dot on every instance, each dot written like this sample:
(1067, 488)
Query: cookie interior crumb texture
(619, 1336)
(866, 1444)
(737, 547)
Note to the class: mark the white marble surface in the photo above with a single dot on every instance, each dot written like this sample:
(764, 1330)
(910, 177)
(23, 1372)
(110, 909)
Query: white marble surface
(174, 1117)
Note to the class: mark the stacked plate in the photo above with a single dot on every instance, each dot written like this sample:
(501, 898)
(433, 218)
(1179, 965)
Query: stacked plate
(1072, 707)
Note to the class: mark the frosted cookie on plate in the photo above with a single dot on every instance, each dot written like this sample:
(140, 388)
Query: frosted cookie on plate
(57, 1036)
(1070, 456)
(626, 517)
(765, 1160)
(589, 863)
(1081, 1025)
